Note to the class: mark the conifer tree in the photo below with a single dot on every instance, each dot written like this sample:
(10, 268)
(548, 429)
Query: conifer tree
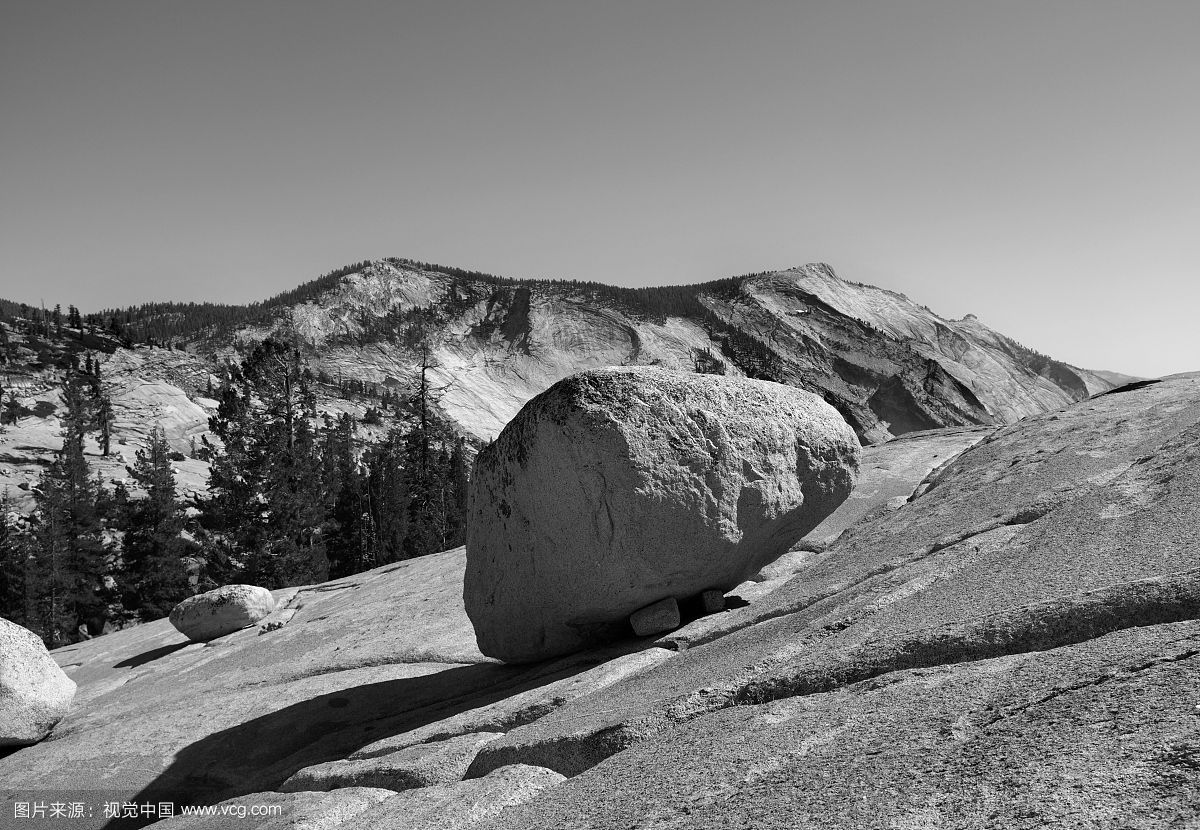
(14, 596)
(68, 560)
(155, 575)
(432, 518)
(269, 499)
(387, 493)
(352, 544)
(12, 409)
(101, 405)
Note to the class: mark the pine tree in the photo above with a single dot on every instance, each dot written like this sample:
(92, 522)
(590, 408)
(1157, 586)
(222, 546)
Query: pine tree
(101, 404)
(387, 493)
(68, 560)
(12, 409)
(155, 555)
(269, 499)
(433, 521)
(352, 544)
(14, 595)
(234, 509)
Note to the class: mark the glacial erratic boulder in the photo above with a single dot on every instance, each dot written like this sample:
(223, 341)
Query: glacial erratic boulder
(221, 611)
(617, 488)
(34, 692)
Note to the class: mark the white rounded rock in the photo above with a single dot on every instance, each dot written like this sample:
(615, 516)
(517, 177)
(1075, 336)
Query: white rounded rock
(619, 487)
(34, 692)
(221, 611)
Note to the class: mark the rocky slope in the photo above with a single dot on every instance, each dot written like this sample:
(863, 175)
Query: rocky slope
(1017, 646)
(362, 668)
(1008, 636)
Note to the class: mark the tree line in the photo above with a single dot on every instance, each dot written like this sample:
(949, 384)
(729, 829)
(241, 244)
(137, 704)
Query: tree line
(294, 497)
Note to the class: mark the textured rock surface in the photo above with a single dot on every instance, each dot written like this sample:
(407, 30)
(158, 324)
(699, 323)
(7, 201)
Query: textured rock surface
(34, 692)
(1103, 734)
(464, 804)
(221, 611)
(439, 762)
(619, 487)
(280, 811)
(1015, 647)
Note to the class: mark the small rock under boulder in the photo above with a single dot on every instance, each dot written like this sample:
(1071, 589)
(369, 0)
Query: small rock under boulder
(34, 692)
(656, 618)
(618, 487)
(221, 611)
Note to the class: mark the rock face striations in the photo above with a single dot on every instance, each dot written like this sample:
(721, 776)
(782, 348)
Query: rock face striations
(618, 488)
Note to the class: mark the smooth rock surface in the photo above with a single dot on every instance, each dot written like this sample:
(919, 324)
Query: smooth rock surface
(221, 611)
(364, 666)
(439, 762)
(617, 487)
(159, 716)
(35, 693)
(888, 474)
(550, 688)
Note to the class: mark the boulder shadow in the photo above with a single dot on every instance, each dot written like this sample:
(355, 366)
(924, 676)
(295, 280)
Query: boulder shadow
(150, 656)
(260, 754)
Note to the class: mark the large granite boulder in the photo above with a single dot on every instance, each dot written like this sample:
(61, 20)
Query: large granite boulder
(221, 611)
(620, 487)
(34, 692)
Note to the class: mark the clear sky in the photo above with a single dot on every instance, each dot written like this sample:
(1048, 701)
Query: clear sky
(1035, 163)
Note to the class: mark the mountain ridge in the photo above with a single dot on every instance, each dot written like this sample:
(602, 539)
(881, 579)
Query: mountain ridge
(888, 364)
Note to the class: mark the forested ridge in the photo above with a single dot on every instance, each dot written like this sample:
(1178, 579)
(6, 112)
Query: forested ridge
(167, 323)
(295, 496)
